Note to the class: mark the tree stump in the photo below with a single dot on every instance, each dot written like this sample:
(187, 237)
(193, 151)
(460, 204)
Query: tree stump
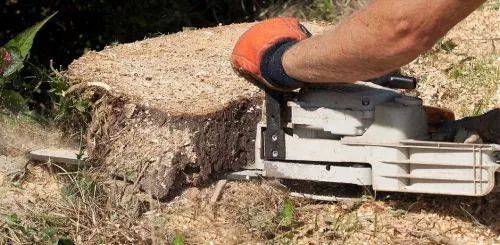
(171, 111)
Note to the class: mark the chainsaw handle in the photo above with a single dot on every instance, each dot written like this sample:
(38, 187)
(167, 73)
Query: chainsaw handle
(392, 81)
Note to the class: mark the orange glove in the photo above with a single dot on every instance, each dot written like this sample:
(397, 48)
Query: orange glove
(259, 50)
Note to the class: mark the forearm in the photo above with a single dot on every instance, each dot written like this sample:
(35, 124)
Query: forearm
(384, 36)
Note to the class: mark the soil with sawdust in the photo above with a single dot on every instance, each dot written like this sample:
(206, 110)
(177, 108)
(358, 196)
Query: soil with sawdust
(25, 187)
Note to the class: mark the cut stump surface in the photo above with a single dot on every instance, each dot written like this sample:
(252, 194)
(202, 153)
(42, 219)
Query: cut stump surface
(171, 103)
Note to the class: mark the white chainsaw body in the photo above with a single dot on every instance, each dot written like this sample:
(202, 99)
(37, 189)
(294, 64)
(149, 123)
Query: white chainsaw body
(369, 135)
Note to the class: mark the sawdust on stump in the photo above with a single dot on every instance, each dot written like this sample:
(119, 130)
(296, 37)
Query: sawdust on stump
(174, 112)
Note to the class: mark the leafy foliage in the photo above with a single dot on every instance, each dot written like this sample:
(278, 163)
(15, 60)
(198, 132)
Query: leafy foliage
(22, 43)
(81, 185)
(178, 240)
(93, 24)
(11, 219)
(287, 214)
(37, 227)
(14, 101)
(89, 25)
(131, 175)
(481, 77)
(343, 224)
(13, 56)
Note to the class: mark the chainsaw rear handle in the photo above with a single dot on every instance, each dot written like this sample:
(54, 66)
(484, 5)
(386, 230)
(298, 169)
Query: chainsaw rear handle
(399, 81)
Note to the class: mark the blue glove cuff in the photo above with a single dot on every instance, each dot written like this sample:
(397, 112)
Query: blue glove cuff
(272, 68)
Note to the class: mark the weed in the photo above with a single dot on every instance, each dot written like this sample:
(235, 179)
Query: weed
(473, 219)
(131, 175)
(273, 220)
(326, 9)
(263, 222)
(442, 45)
(35, 227)
(11, 219)
(81, 185)
(13, 101)
(43, 100)
(481, 78)
(81, 148)
(14, 54)
(396, 212)
(423, 79)
(493, 5)
(479, 108)
(447, 45)
(456, 72)
(68, 111)
(286, 214)
(368, 193)
(342, 225)
(178, 239)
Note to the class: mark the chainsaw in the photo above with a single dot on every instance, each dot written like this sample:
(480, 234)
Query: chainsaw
(370, 134)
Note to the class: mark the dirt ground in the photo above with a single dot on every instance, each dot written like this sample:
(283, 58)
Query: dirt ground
(45, 203)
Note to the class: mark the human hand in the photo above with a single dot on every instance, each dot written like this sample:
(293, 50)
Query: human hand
(257, 54)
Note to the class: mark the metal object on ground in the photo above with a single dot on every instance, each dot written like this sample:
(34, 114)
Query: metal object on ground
(58, 156)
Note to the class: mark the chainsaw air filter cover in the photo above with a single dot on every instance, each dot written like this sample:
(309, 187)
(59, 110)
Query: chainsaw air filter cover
(343, 109)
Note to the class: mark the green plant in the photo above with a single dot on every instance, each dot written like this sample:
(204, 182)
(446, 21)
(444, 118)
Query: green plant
(447, 45)
(286, 214)
(81, 148)
(13, 101)
(131, 175)
(481, 78)
(493, 5)
(29, 94)
(13, 56)
(72, 112)
(342, 225)
(35, 227)
(82, 184)
(11, 219)
(456, 72)
(326, 9)
(178, 239)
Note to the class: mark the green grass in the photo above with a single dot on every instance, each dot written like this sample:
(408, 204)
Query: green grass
(480, 77)
(81, 185)
(343, 224)
(34, 228)
(178, 240)
(492, 4)
(286, 214)
(72, 112)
